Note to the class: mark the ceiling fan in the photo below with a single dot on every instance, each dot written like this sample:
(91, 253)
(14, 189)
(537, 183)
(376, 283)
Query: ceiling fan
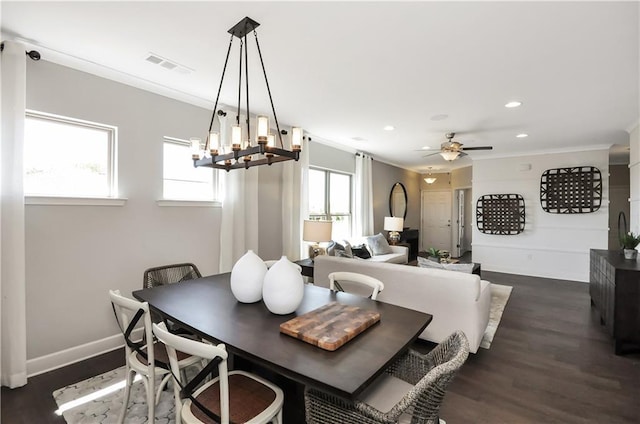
(451, 150)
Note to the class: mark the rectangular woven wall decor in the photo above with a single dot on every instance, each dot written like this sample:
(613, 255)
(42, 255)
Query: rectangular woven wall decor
(571, 190)
(500, 214)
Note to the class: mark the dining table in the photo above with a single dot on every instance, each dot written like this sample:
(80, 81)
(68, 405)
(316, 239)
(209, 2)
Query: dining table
(206, 306)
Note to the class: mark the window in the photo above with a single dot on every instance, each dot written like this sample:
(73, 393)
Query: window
(183, 181)
(68, 157)
(330, 198)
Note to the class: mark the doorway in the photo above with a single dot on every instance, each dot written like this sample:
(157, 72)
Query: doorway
(436, 220)
(463, 210)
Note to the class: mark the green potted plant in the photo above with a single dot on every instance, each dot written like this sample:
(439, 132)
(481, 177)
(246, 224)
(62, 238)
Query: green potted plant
(629, 243)
(433, 254)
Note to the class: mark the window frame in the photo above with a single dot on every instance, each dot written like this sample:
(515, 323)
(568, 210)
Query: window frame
(215, 181)
(112, 175)
(327, 196)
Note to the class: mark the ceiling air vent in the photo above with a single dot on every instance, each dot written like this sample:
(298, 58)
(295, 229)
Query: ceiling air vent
(170, 65)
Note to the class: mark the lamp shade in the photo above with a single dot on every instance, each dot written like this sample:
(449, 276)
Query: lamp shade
(430, 180)
(317, 231)
(392, 223)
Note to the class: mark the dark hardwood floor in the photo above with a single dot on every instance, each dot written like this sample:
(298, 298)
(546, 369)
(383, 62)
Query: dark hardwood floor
(550, 362)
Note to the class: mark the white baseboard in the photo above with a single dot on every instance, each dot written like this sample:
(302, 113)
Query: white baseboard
(75, 354)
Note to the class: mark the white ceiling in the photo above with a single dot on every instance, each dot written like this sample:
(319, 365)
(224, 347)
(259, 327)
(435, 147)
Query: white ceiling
(344, 70)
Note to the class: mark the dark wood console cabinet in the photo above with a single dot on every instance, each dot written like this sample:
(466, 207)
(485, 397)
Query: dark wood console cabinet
(411, 238)
(614, 286)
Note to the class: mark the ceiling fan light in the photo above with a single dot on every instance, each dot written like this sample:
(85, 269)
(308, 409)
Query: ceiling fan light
(430, 180)
(450, 155)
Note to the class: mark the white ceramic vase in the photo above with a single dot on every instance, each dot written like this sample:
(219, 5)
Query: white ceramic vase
(247, 276)
(630, 254)
(283, 287)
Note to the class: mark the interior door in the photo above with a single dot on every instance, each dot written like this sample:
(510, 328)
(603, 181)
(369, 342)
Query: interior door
(460, 241)
(436, 220)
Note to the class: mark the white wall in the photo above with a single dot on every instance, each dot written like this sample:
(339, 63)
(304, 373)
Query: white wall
(75, 254)
(552, 245)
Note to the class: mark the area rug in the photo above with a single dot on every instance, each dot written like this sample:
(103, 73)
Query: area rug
(499, 297)
(105, 409)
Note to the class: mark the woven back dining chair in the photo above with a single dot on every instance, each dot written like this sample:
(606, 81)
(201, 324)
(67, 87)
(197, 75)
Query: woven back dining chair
(410, 391)
(169, 274)
(232, 397)
(338, 279)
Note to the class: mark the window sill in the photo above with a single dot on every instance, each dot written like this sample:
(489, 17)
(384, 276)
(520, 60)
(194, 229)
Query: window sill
(74, 201)
(189, 203)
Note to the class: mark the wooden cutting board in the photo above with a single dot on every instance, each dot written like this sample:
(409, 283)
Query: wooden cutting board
(331, 325)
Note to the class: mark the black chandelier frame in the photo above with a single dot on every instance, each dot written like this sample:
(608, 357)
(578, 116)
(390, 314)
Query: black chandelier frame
(242, 157)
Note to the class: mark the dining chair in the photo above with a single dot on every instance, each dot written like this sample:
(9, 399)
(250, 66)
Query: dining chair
(233, 396)
(144, 357)
(169, 274)
(336, 277)
(410, 391)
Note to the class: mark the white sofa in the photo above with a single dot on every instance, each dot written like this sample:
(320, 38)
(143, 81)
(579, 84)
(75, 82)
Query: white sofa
(457, 301)
(399, 254)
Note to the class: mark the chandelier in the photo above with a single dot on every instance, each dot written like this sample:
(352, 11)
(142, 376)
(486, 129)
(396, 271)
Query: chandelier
(241, 151)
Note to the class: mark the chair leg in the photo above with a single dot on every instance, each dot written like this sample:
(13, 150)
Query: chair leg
(163, 383)
(127, 394)
(151, 398)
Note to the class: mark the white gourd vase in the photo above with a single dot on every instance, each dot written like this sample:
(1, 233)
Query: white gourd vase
(247, 276)
(283, 287)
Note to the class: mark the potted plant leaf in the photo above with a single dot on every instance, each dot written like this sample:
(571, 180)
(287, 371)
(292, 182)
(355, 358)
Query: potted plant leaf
(433, 254)
(629, 243)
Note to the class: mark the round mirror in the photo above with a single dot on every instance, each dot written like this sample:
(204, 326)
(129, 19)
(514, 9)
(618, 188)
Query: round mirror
(398, 201)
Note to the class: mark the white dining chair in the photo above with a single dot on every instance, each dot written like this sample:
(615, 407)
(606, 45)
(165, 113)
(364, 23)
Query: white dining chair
(335, 279)
(233, 396)
(144, 356)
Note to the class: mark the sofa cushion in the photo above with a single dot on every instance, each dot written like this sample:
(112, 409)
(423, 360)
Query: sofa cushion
(427, 263)
(361, 251)
(378, 245)
(341, 250)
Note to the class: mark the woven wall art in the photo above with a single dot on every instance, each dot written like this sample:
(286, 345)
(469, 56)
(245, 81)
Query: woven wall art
(500, 214)
(571, 190)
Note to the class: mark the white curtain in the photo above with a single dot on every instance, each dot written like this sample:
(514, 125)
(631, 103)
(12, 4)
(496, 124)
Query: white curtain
(295, 204)
(238, 226)
(12, 229)
(363, 207)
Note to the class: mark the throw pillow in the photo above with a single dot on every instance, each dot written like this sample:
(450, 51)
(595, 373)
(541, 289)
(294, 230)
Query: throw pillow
(347, 248)
(378, 245)
(468, 268)
(427, 263)
(360, 251)
(331, 249)
(343, 254)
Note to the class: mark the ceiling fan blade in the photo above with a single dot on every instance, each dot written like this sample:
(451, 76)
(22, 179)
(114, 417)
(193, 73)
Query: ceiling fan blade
(431, 154)
(479, 148)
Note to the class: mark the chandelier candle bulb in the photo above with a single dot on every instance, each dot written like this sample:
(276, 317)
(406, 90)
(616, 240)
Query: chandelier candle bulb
(263, 129)
(236, 137)
(214, 143)
(271, 142)
(296, 138)
(195, 148)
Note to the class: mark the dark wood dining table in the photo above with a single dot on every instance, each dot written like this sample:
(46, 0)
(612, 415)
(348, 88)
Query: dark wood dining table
(207, 307)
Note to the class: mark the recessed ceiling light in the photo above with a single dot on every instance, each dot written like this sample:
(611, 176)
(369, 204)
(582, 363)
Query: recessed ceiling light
(439, 117)
(522, 135)
(425, 147)
(513, 104)
(389, 128)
